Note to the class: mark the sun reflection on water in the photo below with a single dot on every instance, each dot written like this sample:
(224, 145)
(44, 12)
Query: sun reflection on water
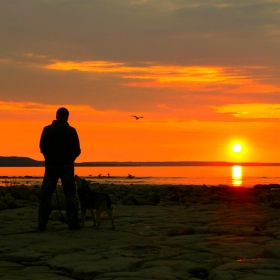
(237, 176)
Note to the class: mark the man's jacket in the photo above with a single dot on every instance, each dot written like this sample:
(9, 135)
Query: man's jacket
(59, 143)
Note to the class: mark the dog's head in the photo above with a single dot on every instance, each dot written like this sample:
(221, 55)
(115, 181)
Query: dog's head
(82, 185)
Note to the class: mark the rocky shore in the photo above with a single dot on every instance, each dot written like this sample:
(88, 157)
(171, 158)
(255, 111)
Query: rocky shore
(162, 232)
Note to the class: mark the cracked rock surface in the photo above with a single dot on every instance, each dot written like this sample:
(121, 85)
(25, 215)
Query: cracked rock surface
(200, 234)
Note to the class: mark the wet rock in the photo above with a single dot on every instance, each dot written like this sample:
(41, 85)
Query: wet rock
(174, 197)
(256, 269)
(154, 198)
(168, 241)
(133, 199)
(58, 202)
(127, 201)
(13, 204)
(187, 230)
(275, 204)
(187, 199)
(272, 251)
(81, 266)
(173, 232)
(6, 266)
(57, 215)
(141, 201)
(23, 256)
(3, 205)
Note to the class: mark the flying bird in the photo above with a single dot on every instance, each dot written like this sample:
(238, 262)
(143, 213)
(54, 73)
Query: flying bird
(137, 118)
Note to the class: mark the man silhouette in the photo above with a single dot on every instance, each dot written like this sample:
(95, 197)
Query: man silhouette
(60, 146)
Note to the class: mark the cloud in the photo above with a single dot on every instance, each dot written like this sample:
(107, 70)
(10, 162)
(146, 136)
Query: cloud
(252, 111)
(32, 111)
(35, 111)
(131, 55)
(164, 30)
(152, 74)
(123, 87)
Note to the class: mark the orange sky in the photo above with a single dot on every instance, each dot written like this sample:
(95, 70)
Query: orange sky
(201, 85)
(112, 135)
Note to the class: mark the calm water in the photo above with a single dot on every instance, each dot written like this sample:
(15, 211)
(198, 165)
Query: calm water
(188, 175)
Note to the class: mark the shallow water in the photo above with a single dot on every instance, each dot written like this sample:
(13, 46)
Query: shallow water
(246, 176)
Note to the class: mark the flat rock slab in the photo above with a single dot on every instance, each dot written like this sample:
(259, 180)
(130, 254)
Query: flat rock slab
(80, 265)
(211, 240)
(256, 269)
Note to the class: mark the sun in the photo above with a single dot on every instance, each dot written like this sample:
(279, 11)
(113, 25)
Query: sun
(237, 148)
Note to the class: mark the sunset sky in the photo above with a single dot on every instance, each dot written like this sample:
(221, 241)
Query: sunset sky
(203, 74)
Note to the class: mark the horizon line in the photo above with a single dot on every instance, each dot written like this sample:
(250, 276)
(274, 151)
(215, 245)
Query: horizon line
(29, 162)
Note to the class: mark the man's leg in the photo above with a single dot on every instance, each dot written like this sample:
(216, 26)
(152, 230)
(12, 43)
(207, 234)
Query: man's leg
(69, 188)
(49, 183)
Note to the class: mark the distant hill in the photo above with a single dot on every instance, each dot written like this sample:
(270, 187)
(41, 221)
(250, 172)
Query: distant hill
(19, 161)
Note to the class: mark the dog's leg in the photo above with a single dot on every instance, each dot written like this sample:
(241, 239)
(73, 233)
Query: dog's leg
(110, 213)
(83, 212)
(112, 219)
(98, 214)
(93, 217)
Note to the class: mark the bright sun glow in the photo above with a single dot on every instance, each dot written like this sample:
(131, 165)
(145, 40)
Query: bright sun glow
(237, 175)
(237, 148)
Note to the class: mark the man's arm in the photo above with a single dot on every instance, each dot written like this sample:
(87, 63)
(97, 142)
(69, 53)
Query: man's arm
(76, 145)
(43, 144)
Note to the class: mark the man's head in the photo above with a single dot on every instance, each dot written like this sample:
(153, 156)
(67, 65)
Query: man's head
(62, 114)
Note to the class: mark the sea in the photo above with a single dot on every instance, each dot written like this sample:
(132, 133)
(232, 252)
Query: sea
(235, 176)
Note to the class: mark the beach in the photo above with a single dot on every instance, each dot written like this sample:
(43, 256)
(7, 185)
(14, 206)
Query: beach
(162, 232)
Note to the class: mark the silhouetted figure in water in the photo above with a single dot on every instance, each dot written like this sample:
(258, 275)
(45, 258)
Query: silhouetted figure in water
(60, 146)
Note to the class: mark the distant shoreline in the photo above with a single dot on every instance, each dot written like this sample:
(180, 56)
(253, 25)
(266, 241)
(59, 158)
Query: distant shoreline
(176, 163)
(147, 164)
(14, 161)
